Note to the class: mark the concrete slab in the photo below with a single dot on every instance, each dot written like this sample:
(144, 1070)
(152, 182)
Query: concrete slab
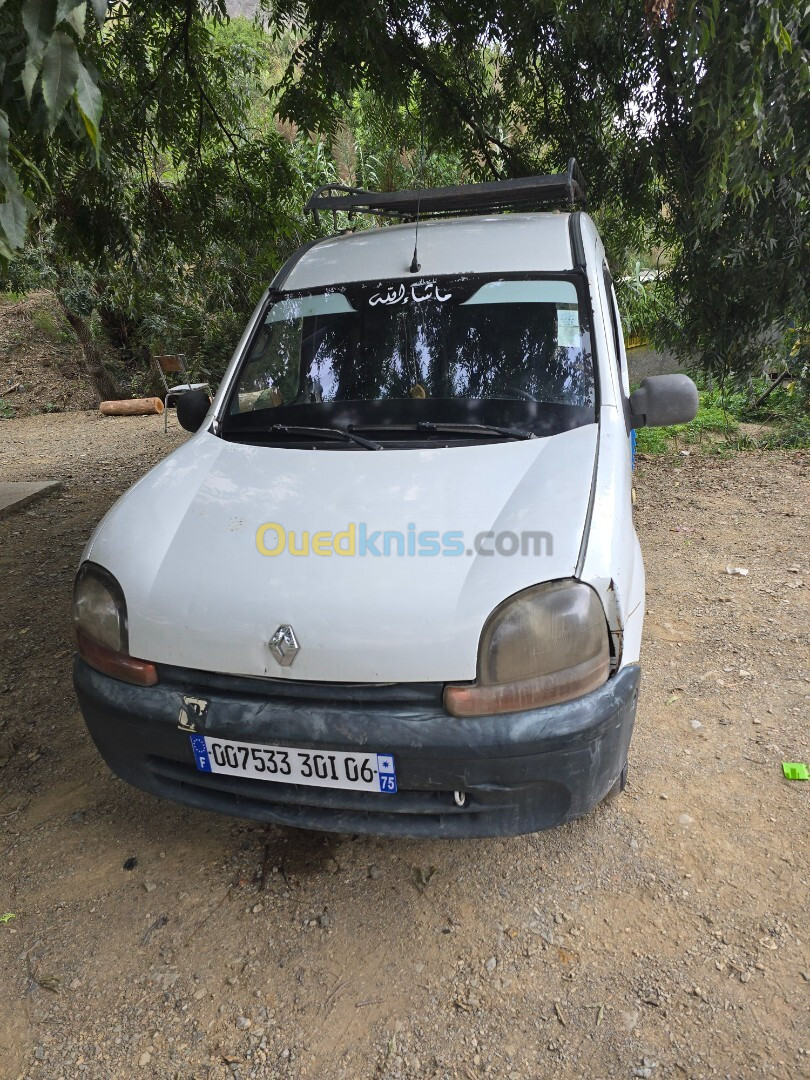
(14, 495)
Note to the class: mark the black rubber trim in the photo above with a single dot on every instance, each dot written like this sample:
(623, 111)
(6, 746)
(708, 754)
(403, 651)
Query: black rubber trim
(577, 243)
(581, 265)
(586, 528)
(615, 323)
(188, 680)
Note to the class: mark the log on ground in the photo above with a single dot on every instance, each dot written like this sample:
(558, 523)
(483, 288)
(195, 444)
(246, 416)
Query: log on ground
(132, 407)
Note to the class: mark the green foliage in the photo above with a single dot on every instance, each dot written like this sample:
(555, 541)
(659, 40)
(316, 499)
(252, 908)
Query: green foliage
(168, 238)
(654, 440)
(691, 121)
(711, 420)
(784, 420)
(166, 242)
(56, 331)
(644, 302)
(792, 434)
(48, 95)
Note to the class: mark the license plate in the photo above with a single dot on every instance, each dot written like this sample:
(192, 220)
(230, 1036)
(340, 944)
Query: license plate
(287, 765)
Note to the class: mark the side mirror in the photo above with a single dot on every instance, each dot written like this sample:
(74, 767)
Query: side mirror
(662, 400)
(192, 409)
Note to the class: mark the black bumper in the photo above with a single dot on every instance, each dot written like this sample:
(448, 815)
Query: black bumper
(520, 772)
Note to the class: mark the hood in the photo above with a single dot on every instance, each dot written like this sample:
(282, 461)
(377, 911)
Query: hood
(183, 545)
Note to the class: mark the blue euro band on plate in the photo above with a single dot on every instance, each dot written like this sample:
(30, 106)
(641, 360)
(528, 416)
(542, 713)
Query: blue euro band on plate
(386, 774)
(200, 753)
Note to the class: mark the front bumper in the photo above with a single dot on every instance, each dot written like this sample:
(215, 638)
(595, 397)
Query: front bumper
(520, 772)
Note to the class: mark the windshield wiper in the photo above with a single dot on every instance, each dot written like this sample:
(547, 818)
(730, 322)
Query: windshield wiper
(486, 429)
(461, 429)
(340, 433)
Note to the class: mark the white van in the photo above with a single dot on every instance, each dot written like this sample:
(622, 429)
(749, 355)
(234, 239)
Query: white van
(392, 583)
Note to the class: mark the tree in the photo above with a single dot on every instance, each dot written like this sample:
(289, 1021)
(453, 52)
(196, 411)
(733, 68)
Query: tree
(691, 119)
(166, 235)
(48, 94)
(167, 232)
(164, 219)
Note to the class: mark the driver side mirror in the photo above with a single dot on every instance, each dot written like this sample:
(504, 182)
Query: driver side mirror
(662, 400)
(192, 409)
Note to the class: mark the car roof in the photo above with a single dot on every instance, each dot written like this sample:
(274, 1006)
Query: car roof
(496, 243)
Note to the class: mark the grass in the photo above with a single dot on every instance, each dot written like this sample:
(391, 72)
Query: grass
(6, 410)
(712, 426)
(716, 428)
(53, 329)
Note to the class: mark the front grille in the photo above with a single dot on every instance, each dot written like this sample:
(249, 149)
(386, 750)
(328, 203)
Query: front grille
(243, 686)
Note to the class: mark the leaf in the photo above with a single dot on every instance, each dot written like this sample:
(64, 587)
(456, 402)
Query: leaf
(73, 12)
(39, 19)
(89, 100)
(30, 165)
(99, 10)
(30, 74)
(60, 70)
(9, 915)
(14, 211)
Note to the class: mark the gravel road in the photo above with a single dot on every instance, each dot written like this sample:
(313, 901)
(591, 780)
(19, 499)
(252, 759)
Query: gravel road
(665, 935)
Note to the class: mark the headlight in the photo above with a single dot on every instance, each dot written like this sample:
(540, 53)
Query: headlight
(100, 622)
(99, 610)
(543, 646)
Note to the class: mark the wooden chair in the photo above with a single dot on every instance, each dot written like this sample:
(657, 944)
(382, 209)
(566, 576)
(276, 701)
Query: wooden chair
(171, 364)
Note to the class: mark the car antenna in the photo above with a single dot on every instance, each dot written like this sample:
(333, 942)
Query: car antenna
(415, 266)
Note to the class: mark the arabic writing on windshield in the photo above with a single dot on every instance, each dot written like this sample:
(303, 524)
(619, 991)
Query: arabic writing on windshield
(418, 293)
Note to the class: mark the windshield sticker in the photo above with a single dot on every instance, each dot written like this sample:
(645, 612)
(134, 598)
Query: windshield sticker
(418, 293)
(568, 328)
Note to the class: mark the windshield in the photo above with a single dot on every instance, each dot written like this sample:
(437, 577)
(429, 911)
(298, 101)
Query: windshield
(388, 356)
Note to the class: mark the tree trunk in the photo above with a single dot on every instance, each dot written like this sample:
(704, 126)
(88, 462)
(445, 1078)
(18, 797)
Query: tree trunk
(105, 382)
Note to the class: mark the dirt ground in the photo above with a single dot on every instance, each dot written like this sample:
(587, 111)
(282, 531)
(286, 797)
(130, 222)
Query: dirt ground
(41, 368)
(664, 935)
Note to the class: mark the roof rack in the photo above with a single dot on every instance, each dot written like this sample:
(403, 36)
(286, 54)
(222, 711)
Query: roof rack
(525, 193)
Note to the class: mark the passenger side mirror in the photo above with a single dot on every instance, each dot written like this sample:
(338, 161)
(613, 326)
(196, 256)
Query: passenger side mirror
(662, 400)
(192, 409)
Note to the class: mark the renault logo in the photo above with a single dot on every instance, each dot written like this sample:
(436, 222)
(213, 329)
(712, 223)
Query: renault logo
(284, 645)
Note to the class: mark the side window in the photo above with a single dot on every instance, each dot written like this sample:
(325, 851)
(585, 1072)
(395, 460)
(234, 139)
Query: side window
(618, 336)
